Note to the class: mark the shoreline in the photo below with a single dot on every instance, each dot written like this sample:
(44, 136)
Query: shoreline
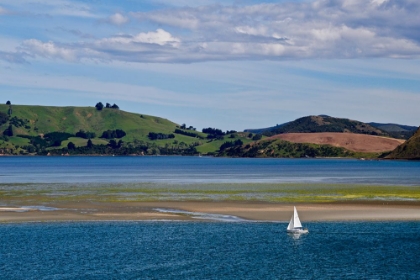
(207, 211)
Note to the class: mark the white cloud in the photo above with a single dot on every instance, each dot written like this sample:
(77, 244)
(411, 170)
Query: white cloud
(136, 42)
(50, 50)
(160, 37)
(12, 57)
(293, 30)
(255, 31)
(118, 19)
(140, 47)
(53, 8)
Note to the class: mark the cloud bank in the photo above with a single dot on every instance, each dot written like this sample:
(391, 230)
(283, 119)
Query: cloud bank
(322, 29)
(118, 19)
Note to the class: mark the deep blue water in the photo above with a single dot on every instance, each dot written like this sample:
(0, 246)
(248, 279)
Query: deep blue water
(207, 250)
(197, 250)
(205, 169)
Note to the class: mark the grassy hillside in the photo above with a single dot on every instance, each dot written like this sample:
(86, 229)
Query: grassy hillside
(44, 119)
(311, 124)
(283, 149)
(409, 150)
(32, 125)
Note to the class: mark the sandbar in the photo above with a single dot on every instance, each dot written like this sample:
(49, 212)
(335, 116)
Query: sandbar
(186, 211)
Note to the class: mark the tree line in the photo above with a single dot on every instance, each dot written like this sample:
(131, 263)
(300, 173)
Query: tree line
(187, 133)
(99, 106)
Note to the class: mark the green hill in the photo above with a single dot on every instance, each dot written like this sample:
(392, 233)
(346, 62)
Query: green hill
(36, 120)
(409, 150)
(312, 124)
(46, 129)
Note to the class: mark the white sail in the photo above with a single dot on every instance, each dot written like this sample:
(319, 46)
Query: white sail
(290, 226)
(296, 221)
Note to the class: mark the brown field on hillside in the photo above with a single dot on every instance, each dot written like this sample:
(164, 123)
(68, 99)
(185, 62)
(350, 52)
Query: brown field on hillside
(350, 141)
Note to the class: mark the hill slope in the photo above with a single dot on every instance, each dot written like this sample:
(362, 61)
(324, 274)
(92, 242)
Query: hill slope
(261, 130)
(311, 124)
(409, 150)
(396, 130)
(271, 147)
(350, 141)
(50, 130)
(36, 120)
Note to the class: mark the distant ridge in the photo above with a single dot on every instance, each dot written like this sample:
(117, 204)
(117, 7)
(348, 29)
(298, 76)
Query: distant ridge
(326, 123)
(396, 130)
(393, 127)
(311, 124)
(261, 130)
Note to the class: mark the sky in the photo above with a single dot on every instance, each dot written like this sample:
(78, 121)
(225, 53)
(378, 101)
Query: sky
(232, 64)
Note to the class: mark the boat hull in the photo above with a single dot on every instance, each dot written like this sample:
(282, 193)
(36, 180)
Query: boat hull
(299, 231)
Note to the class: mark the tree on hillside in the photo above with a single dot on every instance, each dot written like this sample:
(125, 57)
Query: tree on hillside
(71, 146)
(115, 106)
(99, 106)
(3, 118)
(8, 102)
(109, 134)
(112, 143)
(108, 105)
(8, 131)
(89, 144)
(56, 143)
(85, 134)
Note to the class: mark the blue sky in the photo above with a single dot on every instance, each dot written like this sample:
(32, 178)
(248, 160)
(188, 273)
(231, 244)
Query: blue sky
(224, 64)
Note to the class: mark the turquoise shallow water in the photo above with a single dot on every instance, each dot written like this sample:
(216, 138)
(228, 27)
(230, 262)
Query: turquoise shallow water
(206, 250)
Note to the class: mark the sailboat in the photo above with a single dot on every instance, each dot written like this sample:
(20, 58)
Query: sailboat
(295, 226)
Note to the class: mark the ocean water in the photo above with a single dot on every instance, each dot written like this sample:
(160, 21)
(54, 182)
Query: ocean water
(205, 169)
(209, 250)
(214, 247)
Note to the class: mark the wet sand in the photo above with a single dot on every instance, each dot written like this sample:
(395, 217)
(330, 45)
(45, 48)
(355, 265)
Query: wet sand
(257, 211)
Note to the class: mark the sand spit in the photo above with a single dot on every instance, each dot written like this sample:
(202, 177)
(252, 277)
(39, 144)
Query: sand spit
(211, 211)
